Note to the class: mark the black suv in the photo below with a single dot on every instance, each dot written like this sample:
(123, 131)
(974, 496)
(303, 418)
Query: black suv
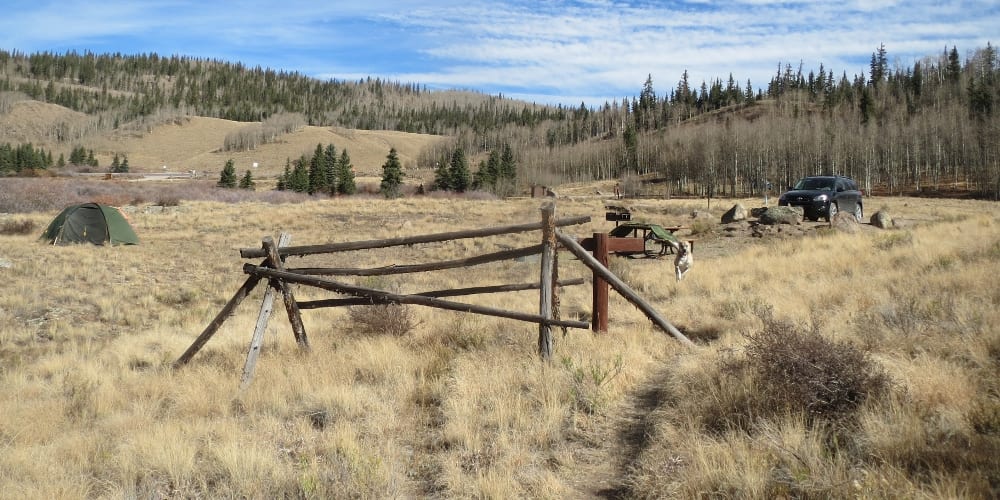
(824, 196)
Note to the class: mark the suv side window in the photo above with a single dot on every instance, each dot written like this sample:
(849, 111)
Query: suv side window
(841, 185)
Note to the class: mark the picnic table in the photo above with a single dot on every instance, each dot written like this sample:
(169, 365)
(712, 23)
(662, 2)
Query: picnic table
(651, 233)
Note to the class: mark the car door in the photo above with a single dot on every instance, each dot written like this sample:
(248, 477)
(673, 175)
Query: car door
(847, 198)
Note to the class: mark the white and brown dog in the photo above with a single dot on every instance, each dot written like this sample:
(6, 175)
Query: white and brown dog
(684, 260)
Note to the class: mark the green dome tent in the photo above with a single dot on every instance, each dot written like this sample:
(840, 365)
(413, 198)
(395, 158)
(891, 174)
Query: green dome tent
(90, 223)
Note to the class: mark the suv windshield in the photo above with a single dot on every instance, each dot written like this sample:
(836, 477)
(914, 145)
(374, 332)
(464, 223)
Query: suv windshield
(815, 184)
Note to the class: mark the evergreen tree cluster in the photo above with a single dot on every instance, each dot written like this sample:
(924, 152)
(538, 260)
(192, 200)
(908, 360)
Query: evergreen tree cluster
(498, 173)
(24, 157)
(119, 165)
(325, 172)
(80, 156)
(453, 174)
(227, 179)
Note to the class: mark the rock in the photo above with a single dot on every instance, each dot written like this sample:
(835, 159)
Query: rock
(881, 220)
(698, 214)
(845, 222)
(5, 264)
(737, 213)
(781, 215)
(756, 211)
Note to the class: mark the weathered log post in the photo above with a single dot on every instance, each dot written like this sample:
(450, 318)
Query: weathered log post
(217, 322)
(545, 296)
(291, 306)
(266, 306)
(599, 321)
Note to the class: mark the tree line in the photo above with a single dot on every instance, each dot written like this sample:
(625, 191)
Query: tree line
(931, 125)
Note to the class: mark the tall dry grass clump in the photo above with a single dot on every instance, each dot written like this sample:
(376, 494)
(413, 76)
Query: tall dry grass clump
(875, 377)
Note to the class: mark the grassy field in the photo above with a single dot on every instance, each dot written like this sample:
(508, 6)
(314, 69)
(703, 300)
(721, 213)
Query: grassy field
(827, 365)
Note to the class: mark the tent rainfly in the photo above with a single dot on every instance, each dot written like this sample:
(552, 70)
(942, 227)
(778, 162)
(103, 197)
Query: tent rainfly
(90, 223)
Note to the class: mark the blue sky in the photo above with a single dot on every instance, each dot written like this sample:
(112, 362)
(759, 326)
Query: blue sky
(546, 51)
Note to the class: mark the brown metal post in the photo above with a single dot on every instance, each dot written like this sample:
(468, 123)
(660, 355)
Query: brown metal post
(599, 322)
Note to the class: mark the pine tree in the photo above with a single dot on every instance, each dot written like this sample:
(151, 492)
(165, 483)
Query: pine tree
(115, 162)
(61, 162)
(345, 174)
(299, 181)
(954, 69)
(330, 165)
(228, 177)
(508, 166)
(442, 181)
(123, 168)
(506, 183)
(318, 181)
(286, 177)
(247, 181)
(458, 172)
(489, 172)
(645, 110)
(77, 156)
(392, 175)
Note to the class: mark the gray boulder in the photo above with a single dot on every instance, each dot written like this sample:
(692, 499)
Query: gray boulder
(756, 211)
(781, 215)
(845, 222)
(881, 220)
(737, 213)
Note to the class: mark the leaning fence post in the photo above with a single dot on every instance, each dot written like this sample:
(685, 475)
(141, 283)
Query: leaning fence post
(546, 282)
(266, 306)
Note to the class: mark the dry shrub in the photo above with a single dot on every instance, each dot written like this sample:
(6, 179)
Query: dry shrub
(12, 227)
(169, 201)
(631, 185)
(382, 319)
(799, 370)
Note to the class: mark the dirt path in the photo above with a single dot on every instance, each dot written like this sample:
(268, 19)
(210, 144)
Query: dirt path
(611, 450)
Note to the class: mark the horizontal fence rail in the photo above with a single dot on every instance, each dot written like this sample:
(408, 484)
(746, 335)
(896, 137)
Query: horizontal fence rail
(249, 253)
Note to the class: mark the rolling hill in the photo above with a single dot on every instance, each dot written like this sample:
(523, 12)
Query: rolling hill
(196, 143)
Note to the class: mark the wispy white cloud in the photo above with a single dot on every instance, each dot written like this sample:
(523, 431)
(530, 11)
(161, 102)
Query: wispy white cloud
(554, 51)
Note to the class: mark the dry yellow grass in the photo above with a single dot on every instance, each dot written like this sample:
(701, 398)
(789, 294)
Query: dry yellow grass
(461, 406)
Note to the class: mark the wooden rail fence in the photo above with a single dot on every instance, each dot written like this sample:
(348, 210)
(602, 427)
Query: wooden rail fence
(280, 279)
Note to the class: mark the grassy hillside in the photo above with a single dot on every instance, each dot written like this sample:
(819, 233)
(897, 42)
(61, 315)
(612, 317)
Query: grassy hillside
(459, 406)
(196, 143)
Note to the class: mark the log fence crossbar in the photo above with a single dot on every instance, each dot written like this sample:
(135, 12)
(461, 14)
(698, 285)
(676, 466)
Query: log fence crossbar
(279, 278)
